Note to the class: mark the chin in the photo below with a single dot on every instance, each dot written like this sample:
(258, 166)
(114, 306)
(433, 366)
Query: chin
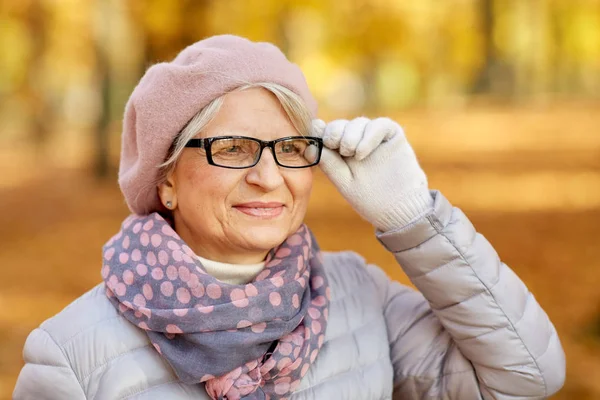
(266, 237)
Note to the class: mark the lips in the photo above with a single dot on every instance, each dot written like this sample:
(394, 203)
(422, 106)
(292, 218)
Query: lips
(260, 209)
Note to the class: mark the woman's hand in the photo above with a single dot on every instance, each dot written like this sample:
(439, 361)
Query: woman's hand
(374, 167)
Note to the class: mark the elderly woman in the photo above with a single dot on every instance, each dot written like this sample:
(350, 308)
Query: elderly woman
(214, 287)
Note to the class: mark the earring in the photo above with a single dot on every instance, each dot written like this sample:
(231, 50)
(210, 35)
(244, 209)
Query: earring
(169, 205)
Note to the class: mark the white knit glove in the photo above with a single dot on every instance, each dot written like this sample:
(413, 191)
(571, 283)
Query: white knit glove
(376, 170)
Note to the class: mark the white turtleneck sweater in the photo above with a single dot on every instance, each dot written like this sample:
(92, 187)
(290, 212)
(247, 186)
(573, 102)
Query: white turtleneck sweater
(235, 274)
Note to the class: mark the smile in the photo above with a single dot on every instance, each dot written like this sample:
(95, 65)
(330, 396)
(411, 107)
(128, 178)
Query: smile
(263, 211)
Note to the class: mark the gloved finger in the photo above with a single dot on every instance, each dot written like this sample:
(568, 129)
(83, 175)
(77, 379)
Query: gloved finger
(333, 133)
(353, 133)
(318, 128)
(335, 167)
(377, 131)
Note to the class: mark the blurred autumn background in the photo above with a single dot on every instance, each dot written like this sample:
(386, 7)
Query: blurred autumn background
(500, 98)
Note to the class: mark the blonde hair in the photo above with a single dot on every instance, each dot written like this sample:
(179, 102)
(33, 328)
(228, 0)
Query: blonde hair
(292, 104)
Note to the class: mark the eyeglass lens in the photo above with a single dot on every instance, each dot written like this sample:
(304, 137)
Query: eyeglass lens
(236, 152)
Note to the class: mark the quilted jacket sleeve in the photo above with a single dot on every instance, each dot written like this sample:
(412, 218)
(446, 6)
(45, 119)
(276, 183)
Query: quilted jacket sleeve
(47, 374)
(474, 331)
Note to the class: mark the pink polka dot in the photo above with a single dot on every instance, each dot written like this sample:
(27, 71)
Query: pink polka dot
(251, 290)
(187, 258)
(302, 282)
(123, 258)
(137, 227)
(136, 255)
(206, 309)
(122, 308)
(184, 273)
(321, 340)
(277, 281)
(126, 242)
(268, 365)
(141, 269)
(263, 275)
(172, 328)
(144, 326)
(316, 327)
(294, 240)
(275, 299)
(283, 252)
(148, 292)
(166, 288)
(328, 293)
(241, 303)
(151, 259)
(113, 280)
(144, 239)
(326, 314)
(163, 257)
(317, 282)
(193, 279)
(180, 312)
(177, 255)
(187, 250)
(297, 353)
(157, 274)
(128, 277)
(156, 240)
(120, 289)
(285, 349)
(108, 254)
(157, 347)
(295, 301)
(305, 251)
(198, 291)
(214, 291)
(297, 339)
(172, 272)
(172, 245)
(148, 225)
(282, 388)
(294, 385)
(146, 311)
(206, 377)
(273, 263)
(304, 369)
(300, 262)
(183, 295)
(296, 364)
(314, 313)
(313, 355)
(319, 301)
(243, 324)
(259, 328)
(105, 271)
(237, 294)
(139, 300)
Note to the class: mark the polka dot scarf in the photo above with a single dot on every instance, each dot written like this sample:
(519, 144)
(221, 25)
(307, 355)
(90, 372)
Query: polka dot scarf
(252, 341)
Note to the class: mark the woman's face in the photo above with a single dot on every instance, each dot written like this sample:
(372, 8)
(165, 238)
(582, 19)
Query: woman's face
(238, 215)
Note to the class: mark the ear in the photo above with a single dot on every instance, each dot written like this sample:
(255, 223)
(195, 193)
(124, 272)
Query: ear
(167, 192)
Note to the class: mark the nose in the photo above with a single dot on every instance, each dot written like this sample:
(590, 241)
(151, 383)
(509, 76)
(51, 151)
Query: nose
(266, 173)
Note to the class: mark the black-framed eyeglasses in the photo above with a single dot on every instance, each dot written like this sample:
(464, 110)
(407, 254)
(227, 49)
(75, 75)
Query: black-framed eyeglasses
(239, 152)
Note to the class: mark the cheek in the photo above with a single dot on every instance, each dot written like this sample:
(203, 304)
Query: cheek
(300, 183)
(205, 184)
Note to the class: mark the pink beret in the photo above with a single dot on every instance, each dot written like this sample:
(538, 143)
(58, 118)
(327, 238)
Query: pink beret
(170, 94)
